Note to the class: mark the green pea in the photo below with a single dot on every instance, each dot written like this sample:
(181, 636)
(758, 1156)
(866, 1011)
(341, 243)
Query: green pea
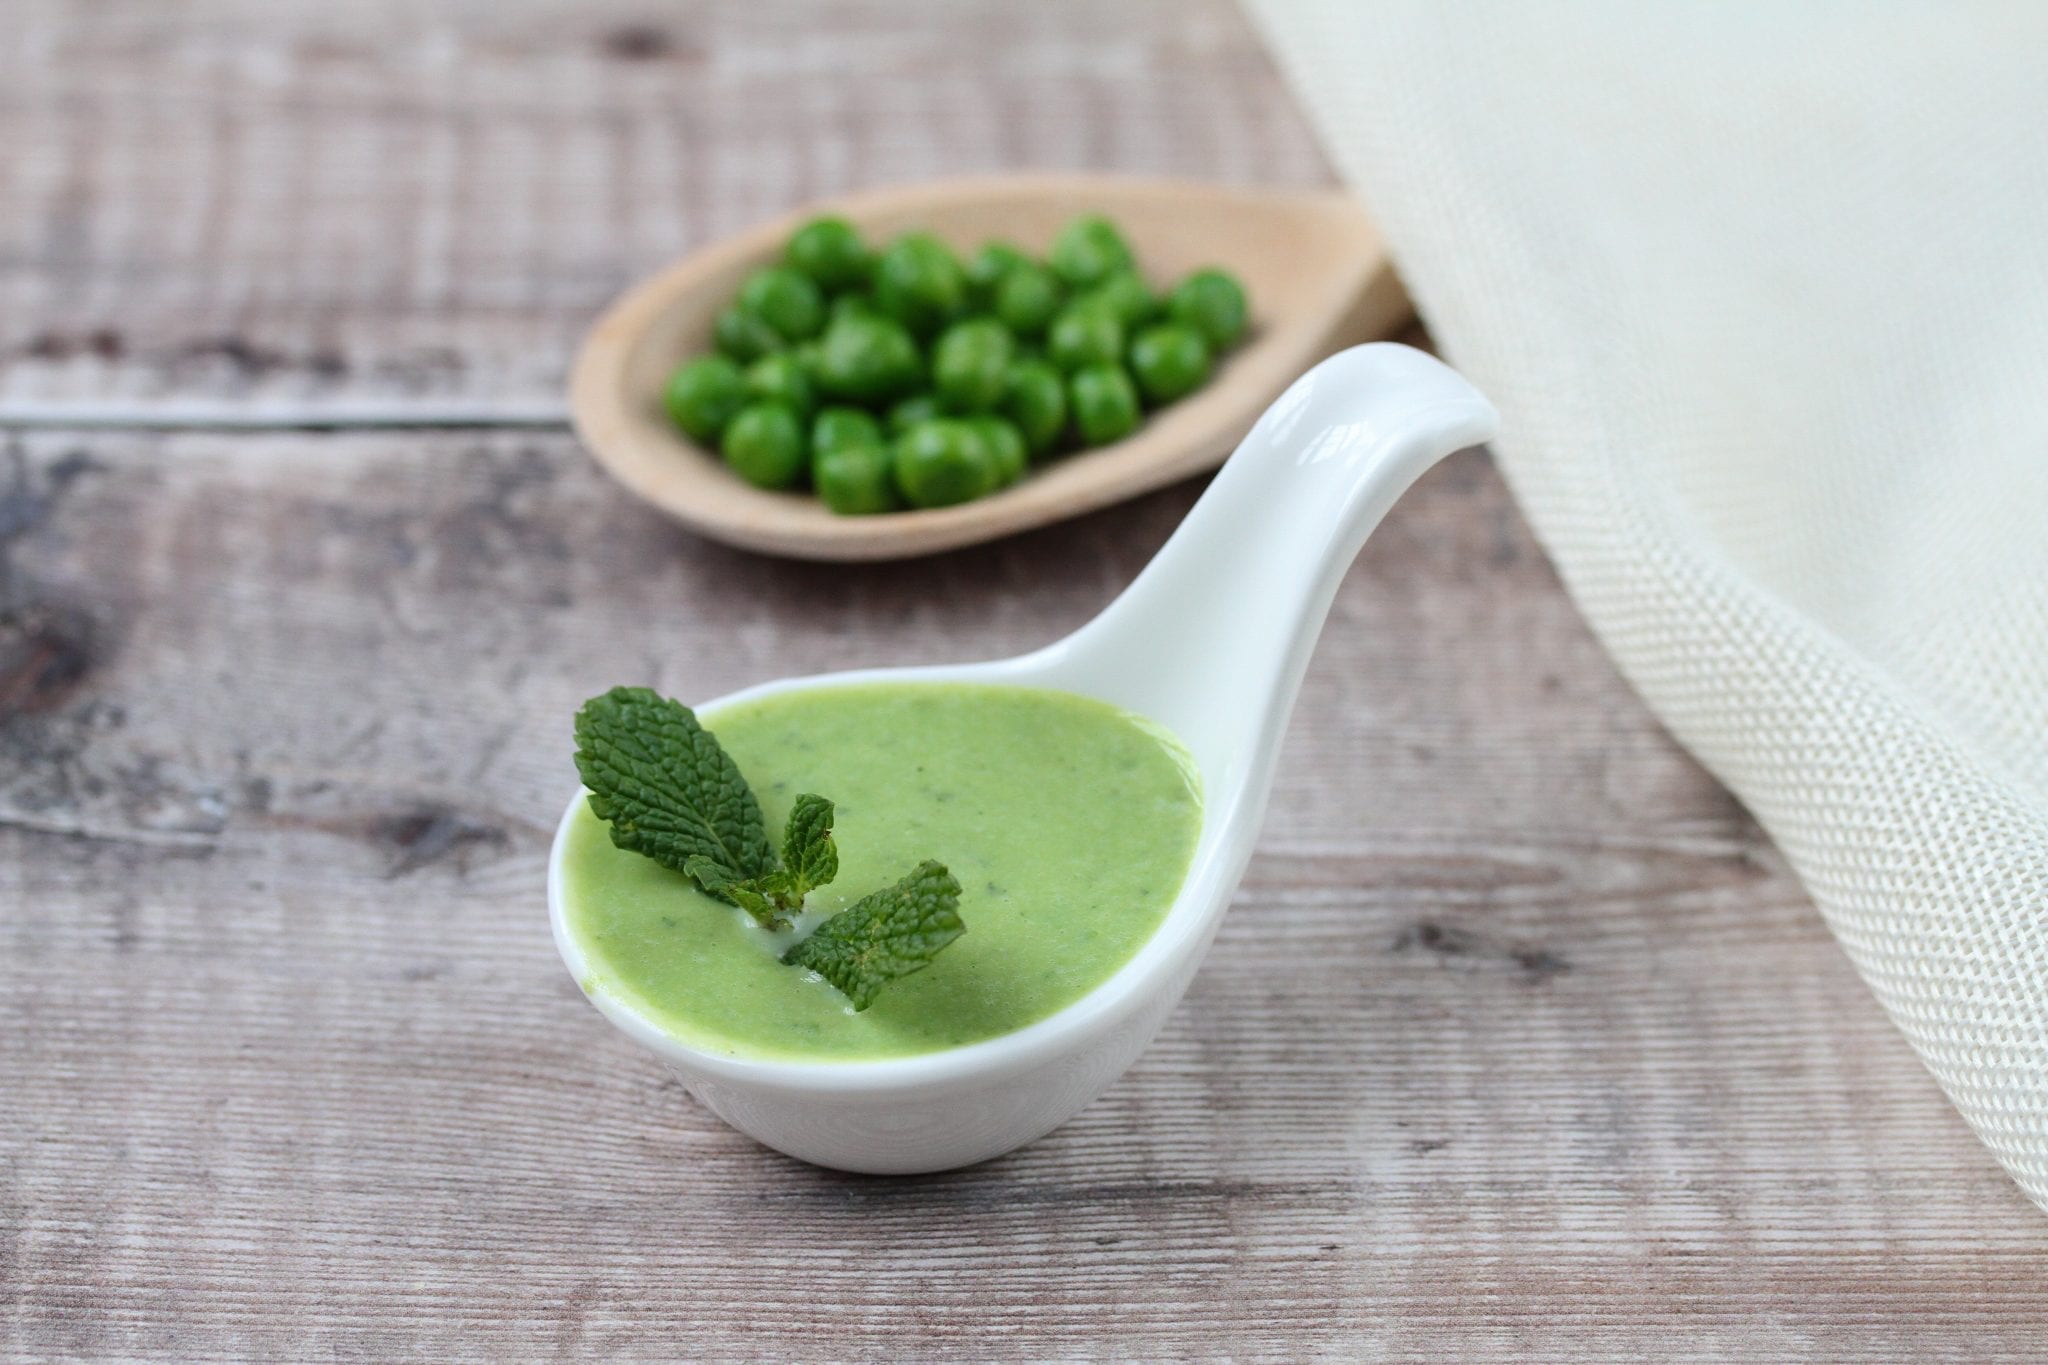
(988, 267)
(703, 394)
(1126, 294)
(1212, 302)
(807, 353)
(1085, 333)
(1005, 445)
(868, 360)
(1169, 361)
(789, 302)
(970, 361)
(919, 282)
(764, 445)
(781, 378)
(1088, 251)
(921, 407)
(856, 479)
(853, 305)
(1027, 299)
(1105, 403)
(744, 336)
(829, 252)
(941, 462)
(1036, 400)
(836, 427)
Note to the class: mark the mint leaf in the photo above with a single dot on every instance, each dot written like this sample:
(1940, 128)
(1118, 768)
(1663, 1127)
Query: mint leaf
(666, 788)
(758, 896)
(894, 932)
(809, 856)
(809, 861)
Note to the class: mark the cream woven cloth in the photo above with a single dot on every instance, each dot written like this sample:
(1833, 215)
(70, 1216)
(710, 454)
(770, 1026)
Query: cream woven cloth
(1761, 291)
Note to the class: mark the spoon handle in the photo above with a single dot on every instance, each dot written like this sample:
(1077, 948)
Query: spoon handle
(1213, 637)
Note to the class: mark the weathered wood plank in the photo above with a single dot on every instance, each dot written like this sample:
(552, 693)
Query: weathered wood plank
(237, 211)
(1519, 1041)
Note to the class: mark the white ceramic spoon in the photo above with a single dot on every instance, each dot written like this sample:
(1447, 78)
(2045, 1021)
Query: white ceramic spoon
(1211, 640)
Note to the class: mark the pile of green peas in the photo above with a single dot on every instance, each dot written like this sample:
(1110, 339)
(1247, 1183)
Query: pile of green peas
(908, 376)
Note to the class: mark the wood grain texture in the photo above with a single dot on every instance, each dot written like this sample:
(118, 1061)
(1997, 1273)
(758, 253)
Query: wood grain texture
(1519, 1041)
(243, 211)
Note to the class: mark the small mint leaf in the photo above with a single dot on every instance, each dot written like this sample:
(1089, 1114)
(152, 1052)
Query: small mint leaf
(809, 856)
(762, 905)
(666, 788)
(893, 932)
(758, 896)
(710, 874)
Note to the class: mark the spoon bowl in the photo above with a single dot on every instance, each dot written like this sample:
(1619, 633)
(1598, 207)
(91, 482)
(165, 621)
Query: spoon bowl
(1210, 641)
(1312, 263)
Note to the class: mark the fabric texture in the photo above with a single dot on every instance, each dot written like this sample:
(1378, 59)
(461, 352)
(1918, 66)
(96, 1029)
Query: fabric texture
(1761, 292)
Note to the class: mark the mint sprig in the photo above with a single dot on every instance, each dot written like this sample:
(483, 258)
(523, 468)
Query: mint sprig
(884, 935)
(670, 792)
(809, 861)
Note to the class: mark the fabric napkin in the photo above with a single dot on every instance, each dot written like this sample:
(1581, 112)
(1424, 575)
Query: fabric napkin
(1761, 291)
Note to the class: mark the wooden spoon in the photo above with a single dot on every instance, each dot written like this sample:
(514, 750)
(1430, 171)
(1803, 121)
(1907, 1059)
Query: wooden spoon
(1312, 263)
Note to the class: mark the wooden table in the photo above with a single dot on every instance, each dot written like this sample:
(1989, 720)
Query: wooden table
(1520, 1041)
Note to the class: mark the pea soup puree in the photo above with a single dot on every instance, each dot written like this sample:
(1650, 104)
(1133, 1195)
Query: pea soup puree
(1069, 824)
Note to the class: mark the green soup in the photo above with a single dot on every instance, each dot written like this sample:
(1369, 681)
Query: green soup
(1068, 822)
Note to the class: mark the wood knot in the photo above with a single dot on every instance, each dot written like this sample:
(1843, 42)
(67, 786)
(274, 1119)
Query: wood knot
(637, 43)
(1453, 946)
(46, 651)
(418, 838)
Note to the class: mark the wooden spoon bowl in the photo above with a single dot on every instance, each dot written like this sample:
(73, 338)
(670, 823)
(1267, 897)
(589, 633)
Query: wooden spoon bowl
(1312, 263)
